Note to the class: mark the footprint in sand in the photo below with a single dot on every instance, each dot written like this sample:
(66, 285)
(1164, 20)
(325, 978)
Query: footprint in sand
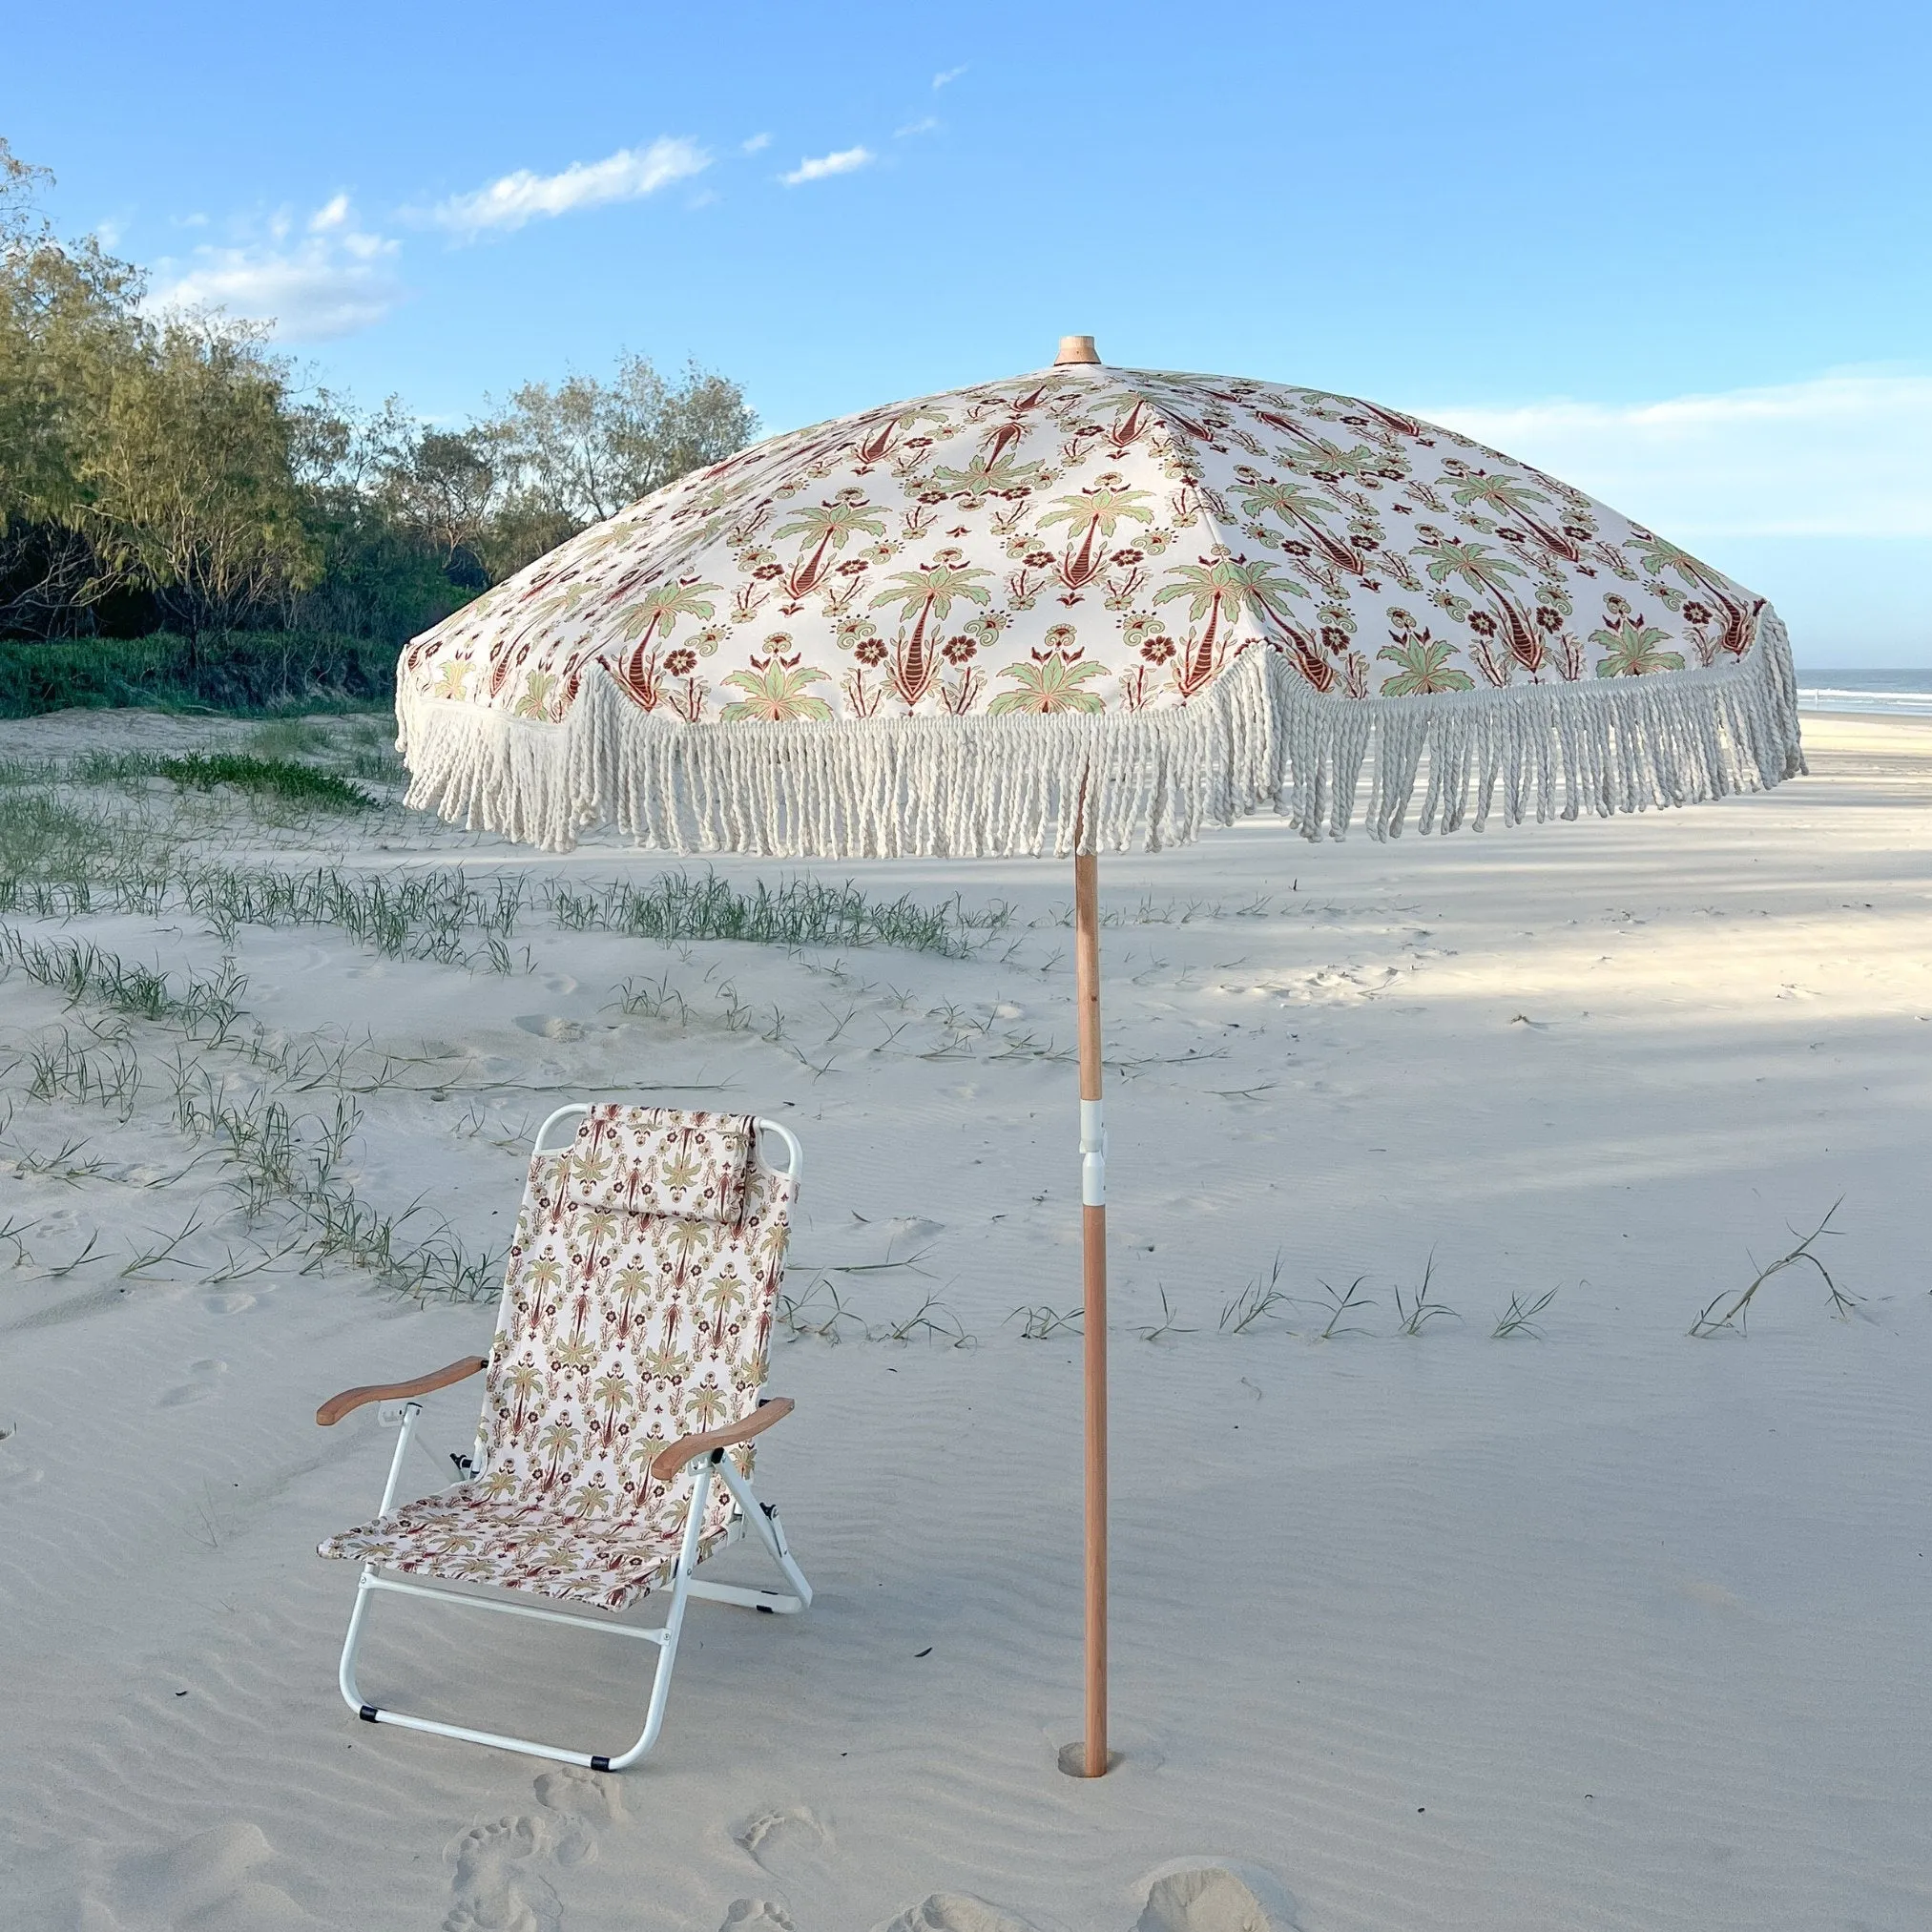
(584, 1802)
(1204, 1895)
(499, 1885)
(500, 1882)
(954, 1912)
(211, 1882)
(756, 1915)
(205, 1374)
(551, 1026)
(796, 1849)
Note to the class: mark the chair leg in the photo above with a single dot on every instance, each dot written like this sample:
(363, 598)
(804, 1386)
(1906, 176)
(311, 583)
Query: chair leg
(771, 1533)
(681, 1591)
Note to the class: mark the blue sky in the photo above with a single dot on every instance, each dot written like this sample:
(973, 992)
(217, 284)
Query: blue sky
(1681, 255)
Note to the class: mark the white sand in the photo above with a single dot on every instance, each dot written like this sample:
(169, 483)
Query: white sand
(1613, 1628)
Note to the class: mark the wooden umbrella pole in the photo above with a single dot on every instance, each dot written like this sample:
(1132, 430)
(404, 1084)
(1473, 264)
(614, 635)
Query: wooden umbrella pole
(1093, 1257)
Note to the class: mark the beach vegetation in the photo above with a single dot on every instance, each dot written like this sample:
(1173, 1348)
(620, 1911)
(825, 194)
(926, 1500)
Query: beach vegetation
(184, 521)
(1259, 1301)
(1041, 1322)
(1341, 1304)
(1731, 1313)
(1520, 1318)
(1418, 1311)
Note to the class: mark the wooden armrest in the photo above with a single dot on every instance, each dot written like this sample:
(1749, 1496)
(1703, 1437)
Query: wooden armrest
(674, 1456)
(337, 1407)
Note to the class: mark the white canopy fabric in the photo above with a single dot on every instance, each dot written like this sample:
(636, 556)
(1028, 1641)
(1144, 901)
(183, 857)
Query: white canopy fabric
(1095, 609)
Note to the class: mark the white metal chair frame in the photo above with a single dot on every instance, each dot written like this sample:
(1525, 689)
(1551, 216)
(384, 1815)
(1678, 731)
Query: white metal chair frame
(713, 1462)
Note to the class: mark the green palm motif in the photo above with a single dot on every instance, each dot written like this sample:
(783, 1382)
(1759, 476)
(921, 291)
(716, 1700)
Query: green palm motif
(525, 1383)
(577, 1354)
(983, 477)
(1091, 518)
(630, 1283)
(826, 527)
(775, 695)
(1230, 586)
(1634, 649)
(664, 1364)
(1102, 508)
(1511, 500)
(1299, 508)
(557, 1443)
(1424, 669)
(679, 1169)
(613, 1392)
(600, 1223)
(705, 1405)
(1470, 560)
(929, 591)
(1660, 555)
(1049, 684)
(663, 605)
(535, 702)
(723, 1291)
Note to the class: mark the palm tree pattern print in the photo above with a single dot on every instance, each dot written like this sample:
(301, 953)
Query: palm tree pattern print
(1086, 540)
(636, 1309)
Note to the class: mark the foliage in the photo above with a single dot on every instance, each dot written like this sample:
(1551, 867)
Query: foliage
(281, 777)
(166, 471)
(234, 671)
(1717, 1317)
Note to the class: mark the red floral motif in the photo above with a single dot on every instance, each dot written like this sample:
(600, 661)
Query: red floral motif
(1085, 497)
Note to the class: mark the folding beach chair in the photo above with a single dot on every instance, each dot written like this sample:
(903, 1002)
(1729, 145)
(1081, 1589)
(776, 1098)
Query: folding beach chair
(621, 1395)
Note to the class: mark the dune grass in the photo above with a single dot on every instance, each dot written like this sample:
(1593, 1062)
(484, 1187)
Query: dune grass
(793, 913)
(280, 777)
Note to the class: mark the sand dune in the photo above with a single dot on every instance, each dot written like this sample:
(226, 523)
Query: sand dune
(1594, 1625)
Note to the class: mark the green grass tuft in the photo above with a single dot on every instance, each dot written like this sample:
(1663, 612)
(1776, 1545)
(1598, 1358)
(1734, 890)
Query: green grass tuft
(282, 778)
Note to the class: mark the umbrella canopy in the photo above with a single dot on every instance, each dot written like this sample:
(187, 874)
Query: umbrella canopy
(1095, 609)
(1086, 609)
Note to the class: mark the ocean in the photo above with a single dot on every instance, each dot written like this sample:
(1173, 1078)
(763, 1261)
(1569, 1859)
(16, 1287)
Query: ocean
(1906, 694)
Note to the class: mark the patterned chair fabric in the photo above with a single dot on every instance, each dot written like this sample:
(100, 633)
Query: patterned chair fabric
(636, 1309)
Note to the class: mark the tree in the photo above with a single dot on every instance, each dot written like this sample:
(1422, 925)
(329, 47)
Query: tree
(190, 477)
(570, 456)
(167, 469)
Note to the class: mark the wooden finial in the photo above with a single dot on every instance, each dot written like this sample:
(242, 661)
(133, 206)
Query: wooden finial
(1076, 349)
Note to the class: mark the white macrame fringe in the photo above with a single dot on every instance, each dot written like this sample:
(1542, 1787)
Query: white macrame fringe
(1002, 787)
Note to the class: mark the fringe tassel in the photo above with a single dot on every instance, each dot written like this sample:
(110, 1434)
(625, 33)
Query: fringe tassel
(1004, 787)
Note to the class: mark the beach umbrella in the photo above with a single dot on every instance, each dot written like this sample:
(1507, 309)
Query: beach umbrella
(1094, 609)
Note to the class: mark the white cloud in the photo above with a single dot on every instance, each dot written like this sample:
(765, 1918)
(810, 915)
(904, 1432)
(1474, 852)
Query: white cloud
(756, 145)
(843, 162)
(951, 74)
(1840, 455)
(333, 281)
(108, 233)
(627, 176)
(923, 125)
